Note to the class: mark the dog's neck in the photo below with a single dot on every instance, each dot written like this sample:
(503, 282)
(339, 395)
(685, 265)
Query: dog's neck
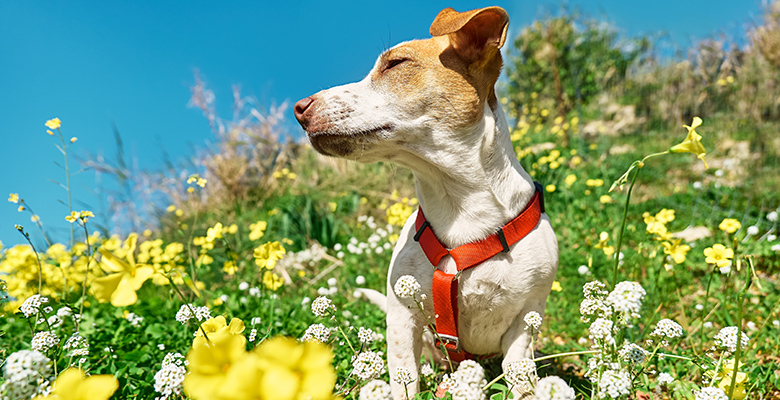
(466, 194)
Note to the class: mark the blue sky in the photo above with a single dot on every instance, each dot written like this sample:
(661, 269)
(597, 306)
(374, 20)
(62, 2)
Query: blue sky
(129, 63)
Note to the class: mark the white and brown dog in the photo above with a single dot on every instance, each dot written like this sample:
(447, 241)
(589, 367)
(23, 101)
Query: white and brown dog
(430, 105)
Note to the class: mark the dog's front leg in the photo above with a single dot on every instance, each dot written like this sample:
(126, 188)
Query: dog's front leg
(516, 342)
(404, 343)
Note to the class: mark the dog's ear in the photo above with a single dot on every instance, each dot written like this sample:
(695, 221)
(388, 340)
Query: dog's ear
(473, 34)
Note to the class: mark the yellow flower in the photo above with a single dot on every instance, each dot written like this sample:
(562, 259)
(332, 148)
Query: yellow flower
(676, 250)
(665, 216)
(692, 142)
(121, 286)
(13, 198)
(729, 225)
(74, 215)
(595, 182)
(50, 132)
(272, 281)
(218, 326)
(292, 370)
(556, 286)
(332, 206)
(724, 376)
(257, 230)
(273, 212)
(214, 232)
(20, 209)
(605, 199)
(53, 123)
(602, 244)
(230, 267)
(210, 362)
(398, 213)
(550, 188)
(267, 254)
(719, 255)
(73, 139)
(71, 385)
(171, 208)
(232, 229)
(570, 179)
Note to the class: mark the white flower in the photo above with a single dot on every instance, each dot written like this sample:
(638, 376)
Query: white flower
(667, 328)
(161, 346)
(776, 247)
(54, 321)
(751, 325)
(426, 370)
(521, 373)
(360, 280)
(135, 320)
(707, 324)
(375, 390)
(614, 384)
(627, 298)
(697, 185)
(699, 307)
(255, 321)
(406, 286)
(403, 376)
(322, 306)
(533, 320)
(184, 314)
(168, 380)
(25, 372)
(583, 270)
(553, 388)
(367, 365)
(64, 312)
(45, 341)
(776, 323)
(632, 354)
(771, 238)
(727, 338)
(470, 373)
(253, 335)
(365, 335)
(243, 286)
(32, 305)
(254, 291)
(665, 379)
(323, 291)
(752, 230)
(332, 282)
(77, 346)
(772, 216)
(710, 393)
(316, 333)
(601, 330)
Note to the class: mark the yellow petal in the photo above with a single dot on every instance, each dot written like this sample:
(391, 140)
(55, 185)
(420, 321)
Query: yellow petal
(68, 383)
(97, 387)
(112, 263)
(236, 326)
(279, 383)
(124, 295)
(105, 286)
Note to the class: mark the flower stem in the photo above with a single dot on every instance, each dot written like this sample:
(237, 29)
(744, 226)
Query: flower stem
(37, 257)
(67, 183)
(623, 228)
(442, 347)
(741, 301)
(573, 353)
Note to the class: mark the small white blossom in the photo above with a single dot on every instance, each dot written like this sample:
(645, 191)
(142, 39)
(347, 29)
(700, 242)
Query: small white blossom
(169, 379)
(665, 379)
(367, 365)
(243, 286)
(76, 345)
(666, 328)
(403, 376)
(54, 321)
(533, 320)
(254, 291)
(134, 319)
(184, 314)
(601, 330)
(553, 388)
(360, 280)
(25, 373)
(583, 270)
(772, 216)
(375, 390)
(752, 230)
(614, 384)
(316, 333)
(521, 373)
(322, 306)
(627, 298)
(727, 338)
(632, 354)
(710, 393)
(426, 370)
(32, 305)
(365, 335)
(332, 282)
(45, 341)
(253, 335)
(406, 286)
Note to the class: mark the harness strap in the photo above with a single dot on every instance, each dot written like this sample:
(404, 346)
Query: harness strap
(445, 286)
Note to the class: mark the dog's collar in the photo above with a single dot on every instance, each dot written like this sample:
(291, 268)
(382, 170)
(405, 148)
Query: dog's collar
(445, 286)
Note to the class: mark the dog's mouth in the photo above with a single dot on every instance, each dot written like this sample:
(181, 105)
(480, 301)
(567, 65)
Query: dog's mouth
(344, 144)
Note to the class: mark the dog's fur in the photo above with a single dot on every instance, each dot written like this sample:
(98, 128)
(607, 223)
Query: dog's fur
(430, 105)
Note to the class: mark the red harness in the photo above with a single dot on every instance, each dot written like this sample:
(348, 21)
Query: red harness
(445, 286)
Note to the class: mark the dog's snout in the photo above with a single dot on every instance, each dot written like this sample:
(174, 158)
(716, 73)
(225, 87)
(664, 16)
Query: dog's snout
(300, 111)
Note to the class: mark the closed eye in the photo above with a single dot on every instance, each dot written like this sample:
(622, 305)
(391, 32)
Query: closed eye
(394, 63)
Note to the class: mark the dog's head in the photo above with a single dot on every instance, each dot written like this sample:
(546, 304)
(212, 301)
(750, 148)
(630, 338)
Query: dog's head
(417, 93)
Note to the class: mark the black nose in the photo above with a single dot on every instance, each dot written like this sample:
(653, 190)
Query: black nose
(300, 111)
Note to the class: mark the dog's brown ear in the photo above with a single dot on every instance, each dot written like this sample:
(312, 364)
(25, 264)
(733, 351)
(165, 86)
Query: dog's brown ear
(472, 32)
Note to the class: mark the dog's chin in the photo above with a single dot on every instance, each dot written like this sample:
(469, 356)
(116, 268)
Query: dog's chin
(350, 145)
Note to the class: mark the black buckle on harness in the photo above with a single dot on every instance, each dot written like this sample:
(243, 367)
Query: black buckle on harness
(502, 239)
(419, 233)
(540, 189)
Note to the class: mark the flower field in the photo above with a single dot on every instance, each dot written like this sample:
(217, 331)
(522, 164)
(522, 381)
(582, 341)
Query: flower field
(241, 276)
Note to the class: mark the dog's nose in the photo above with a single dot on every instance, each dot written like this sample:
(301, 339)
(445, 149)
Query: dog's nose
(300, 110)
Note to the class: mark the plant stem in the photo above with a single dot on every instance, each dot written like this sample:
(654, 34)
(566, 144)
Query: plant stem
(86, 273)
(435, 333)
(741, 301)
(67, 183)
(573, 353)
(37, 257)
(622, 229)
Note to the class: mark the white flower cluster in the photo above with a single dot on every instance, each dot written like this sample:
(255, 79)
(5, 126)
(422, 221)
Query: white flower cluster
(627, 298)
(54, 321)
(521, 373)
(614, 384)
(727, 338)
(533, 320)
(45, 341)
(632, 354)
(553, 388)
(134, 319)
(710, 393)
(26, 372)
(403, 376)
(184, 314)
(426, 370)
(253, 335)
(373, 243)
(375, 390)
(365, 335)
(466, 382)
(304, 259)
(168, 380)
(367, 365)
(667, 329)
(601, 331)
(322, 306)
(77, 346)
(32, 305)
(316, 333)
(594, 302)
(406, 286)
(665, 378)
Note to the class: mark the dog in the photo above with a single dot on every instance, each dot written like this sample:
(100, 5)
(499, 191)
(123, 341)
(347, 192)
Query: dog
(430, 105)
